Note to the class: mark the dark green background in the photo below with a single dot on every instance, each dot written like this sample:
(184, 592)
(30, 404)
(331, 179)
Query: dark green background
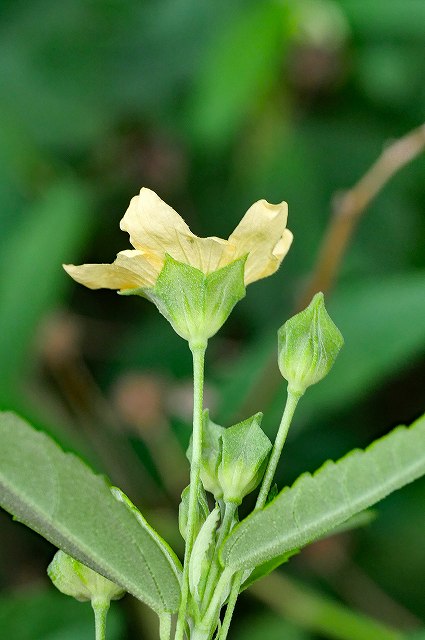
(213, 104)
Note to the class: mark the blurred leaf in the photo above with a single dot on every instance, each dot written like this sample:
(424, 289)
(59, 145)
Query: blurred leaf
(317, 503)
(46, 615)
(384, 331)
(240, 68)
(386, 314)
(58, 496)
(395, 19)
(32, 279)
(267, 627)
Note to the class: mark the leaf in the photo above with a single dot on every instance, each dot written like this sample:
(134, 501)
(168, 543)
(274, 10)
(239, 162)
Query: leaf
(249, 48)
(169, 553)
(264, 569)
(58, 496)
(317, 503)
(199, 557)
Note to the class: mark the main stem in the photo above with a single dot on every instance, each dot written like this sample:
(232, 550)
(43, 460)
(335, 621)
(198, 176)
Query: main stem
(285, 423)
(100, 609)
(198, 353)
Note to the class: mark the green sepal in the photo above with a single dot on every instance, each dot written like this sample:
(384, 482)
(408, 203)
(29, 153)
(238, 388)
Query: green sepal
(82, 583)
(309, 343)
(245, 448)
(202, 511)
(211, 455)
(197, 305)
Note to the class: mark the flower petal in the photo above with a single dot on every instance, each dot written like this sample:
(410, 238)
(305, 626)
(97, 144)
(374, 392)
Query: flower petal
(156, 229)
(130, 270)
(154, 226)
(262, 234)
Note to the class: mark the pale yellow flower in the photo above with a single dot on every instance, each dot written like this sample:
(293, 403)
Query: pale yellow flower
(155, 230)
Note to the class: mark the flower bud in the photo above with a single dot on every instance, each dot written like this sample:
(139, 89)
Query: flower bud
(202, 511)
(75, 579)
(245, 448)
(211, 455)
(309, 343)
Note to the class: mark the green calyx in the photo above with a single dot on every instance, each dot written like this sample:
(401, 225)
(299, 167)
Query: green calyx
(233, 459)
(195, 304)
(82, 583)
(244, 455)
(309, 343)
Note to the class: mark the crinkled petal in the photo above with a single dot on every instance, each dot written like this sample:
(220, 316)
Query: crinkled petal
(156, 229)
(130, 270)
(153, 226)
(261, 234)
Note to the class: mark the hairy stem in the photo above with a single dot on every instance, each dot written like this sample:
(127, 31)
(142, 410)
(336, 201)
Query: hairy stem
(198, 353)
(100, 608)
(165, 626)
(285, 423)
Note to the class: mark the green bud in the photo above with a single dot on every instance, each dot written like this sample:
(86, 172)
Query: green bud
(211, 455)
(75, 579)
(309, 343)
(245, 449)
(195, 304)
(202, 511)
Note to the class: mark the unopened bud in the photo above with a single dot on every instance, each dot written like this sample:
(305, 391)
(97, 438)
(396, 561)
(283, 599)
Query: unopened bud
(244, 455)
(75, 579)
(309, 343)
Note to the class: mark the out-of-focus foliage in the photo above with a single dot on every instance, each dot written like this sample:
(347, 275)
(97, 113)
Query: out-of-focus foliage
(213, 105)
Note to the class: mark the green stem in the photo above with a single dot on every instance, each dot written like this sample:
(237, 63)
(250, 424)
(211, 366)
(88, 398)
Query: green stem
(285, 423)
(198, 353)
(229, 513)
(165, 626)
(100, 608)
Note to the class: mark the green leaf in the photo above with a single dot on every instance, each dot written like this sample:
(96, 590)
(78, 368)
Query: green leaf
(169, 553)
(250, 48)
(199, 559)
(58, 496)
(264, 569)
(317, 503)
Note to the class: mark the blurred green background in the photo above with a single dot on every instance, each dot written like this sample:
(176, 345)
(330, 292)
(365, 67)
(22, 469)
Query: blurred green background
(213, 104)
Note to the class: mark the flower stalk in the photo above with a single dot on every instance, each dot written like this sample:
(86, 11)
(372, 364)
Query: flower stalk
(198, 354)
